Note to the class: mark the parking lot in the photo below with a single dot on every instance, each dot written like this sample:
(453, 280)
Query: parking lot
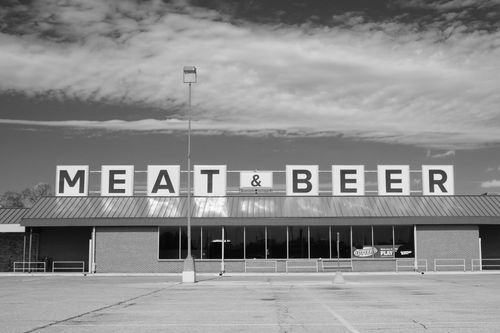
(432, 302)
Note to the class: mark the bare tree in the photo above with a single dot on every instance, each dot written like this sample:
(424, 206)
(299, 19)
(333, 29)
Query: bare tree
(31, 195)
(11, 199)
(27, 198)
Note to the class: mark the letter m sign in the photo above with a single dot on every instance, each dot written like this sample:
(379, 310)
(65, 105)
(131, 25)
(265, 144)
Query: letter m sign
(72, 180)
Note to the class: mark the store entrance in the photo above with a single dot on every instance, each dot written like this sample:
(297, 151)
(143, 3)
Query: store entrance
(64, 248)
(490, 246)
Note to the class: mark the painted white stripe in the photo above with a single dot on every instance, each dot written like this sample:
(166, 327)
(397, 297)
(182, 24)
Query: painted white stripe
(340, 319)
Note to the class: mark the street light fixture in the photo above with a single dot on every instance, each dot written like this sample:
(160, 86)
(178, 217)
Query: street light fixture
(189, 272)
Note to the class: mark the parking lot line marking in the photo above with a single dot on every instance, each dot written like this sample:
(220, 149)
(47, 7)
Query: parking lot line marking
(58, 322)
(340, 319)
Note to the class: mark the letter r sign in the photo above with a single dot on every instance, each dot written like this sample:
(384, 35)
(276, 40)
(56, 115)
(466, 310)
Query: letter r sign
(437, 180)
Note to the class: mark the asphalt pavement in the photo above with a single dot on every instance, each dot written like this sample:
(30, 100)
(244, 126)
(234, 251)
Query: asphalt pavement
(251, 303)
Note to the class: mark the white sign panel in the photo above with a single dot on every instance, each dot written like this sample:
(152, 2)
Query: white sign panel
(256, 179)
(11, 227)
(348, 179)
(117, 180)
(72, 180)
(438, 180)
(302, 180)
(163, 180)
(393, 179)
(209, 180)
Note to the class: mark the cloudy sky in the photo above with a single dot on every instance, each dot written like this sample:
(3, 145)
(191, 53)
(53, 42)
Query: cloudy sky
(280, 82)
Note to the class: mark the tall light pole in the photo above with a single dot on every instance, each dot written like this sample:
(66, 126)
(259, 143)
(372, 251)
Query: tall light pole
(189, 272)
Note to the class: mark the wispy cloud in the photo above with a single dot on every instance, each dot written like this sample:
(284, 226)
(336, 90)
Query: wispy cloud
(381, 81)
(151, 125)
(448, 4)
(490, 169)
(441, 155)
(490, 183)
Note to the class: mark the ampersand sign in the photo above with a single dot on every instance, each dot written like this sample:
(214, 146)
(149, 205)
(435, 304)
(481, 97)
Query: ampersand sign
(256, 182)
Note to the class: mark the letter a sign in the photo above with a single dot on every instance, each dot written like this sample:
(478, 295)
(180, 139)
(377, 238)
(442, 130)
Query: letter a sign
(163, 180)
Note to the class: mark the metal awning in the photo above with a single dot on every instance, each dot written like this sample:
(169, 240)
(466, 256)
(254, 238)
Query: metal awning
(12, 215)
(259, 207)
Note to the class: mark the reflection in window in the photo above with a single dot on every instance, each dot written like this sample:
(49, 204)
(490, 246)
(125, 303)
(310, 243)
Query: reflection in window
(195, 242)
(276, 242)
(297, 242)
(362, 246)
(361, 236)
(382, 235)
(233, 247)
(320, 241)
(344, 233)
(255, 242)
(212, 241)
(403, 241)
(169, 243)
(382, 239)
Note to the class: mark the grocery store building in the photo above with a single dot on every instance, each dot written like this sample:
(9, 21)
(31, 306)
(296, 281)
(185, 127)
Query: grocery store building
(262, 232)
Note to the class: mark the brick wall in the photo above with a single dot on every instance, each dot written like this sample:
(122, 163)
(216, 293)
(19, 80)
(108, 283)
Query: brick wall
(126, 249)
(374, 265)
(448, 242)
(11, 249)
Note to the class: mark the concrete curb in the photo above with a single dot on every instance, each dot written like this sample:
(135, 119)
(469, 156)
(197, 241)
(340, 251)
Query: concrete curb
(314, 274)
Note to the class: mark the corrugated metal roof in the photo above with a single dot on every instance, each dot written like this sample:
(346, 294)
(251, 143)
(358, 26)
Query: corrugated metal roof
(11, 215)
(264, 207)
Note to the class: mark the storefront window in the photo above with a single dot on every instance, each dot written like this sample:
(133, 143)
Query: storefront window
(297, 242)
(403, 241)
(255, 242)
(388, 242)
(195, 242)
(344, 233)
(233, 247)
(212, 241)
(276, 242)
(362, 246)
(320, 240)
(169, 243)
(382, 239)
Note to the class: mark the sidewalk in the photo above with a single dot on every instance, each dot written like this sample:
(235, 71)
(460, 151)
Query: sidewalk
(486, 272)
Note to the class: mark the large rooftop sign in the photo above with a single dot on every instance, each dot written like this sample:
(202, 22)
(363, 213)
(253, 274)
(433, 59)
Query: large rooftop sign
(210, 180)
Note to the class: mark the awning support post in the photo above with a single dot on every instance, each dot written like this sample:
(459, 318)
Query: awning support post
(24, 250)
(222, 268)
(29, 251)
(415, 260)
